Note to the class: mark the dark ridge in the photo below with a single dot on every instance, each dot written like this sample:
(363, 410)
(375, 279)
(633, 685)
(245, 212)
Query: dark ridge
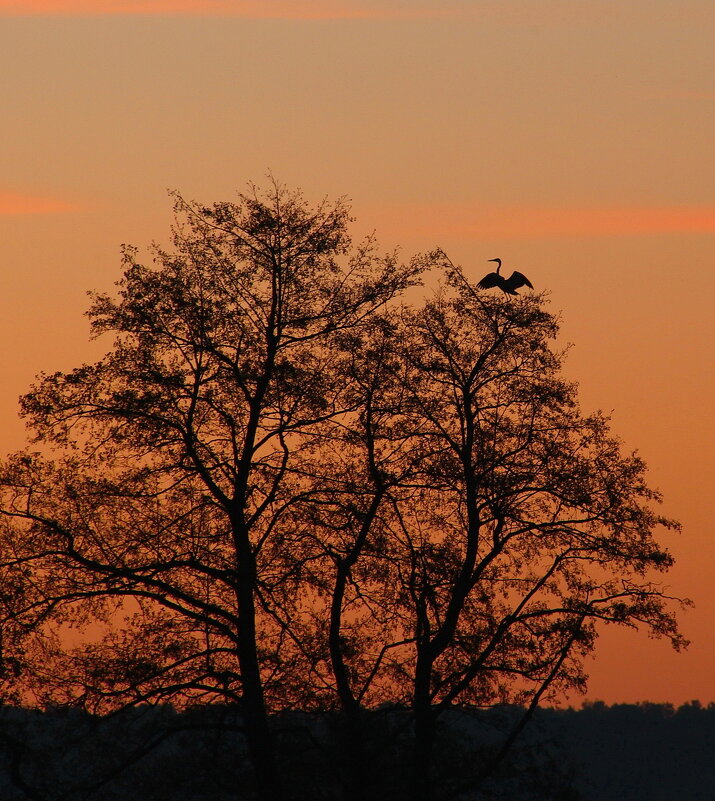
(598, 753)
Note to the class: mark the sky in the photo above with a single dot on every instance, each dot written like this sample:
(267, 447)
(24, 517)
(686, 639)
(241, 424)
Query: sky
(571, 138)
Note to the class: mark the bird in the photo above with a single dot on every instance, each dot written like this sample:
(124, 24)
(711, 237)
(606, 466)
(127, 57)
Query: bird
(507, 285)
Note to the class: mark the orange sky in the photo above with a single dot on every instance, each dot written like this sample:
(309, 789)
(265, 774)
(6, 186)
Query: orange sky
(572, 140)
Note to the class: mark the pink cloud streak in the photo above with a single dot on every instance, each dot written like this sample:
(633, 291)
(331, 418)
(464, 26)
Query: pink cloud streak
(12, 203)
(250, 9)
(529, 222)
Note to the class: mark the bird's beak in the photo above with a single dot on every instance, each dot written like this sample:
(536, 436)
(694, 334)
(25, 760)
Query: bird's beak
(492, 259)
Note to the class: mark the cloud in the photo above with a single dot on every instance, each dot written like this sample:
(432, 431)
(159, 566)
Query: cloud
(250, 9)
(14, 203)
(465, 221)
(508, 12)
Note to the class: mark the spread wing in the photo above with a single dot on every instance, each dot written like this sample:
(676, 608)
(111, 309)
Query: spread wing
(517, 279)
(490, 280)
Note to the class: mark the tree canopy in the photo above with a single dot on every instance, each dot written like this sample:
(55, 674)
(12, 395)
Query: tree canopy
(284, 487)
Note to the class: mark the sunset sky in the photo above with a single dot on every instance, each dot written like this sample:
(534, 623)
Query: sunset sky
(571, 138)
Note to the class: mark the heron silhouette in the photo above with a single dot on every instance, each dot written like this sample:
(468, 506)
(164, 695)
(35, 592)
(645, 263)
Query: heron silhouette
(507, 285)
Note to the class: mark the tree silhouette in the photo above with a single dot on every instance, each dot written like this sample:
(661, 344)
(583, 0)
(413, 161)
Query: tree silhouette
(529, 525)
(483, 524)
(279, 489)
(175, 454)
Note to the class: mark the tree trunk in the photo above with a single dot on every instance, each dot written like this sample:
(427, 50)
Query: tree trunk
(258, 736)
(350, 725)
(352, 740)
(260, 748)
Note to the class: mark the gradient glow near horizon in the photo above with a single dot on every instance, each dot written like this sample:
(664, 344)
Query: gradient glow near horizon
(571, 139)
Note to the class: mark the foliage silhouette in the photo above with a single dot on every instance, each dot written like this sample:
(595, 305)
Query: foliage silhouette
(281, 489)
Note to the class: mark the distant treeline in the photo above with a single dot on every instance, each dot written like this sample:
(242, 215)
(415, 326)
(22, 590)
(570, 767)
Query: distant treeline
(156, 753)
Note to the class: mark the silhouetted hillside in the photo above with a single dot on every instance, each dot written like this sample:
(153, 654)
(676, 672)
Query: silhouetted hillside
(647, 752)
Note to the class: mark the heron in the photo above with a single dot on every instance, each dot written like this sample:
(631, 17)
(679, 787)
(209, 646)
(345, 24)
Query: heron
(507, 285)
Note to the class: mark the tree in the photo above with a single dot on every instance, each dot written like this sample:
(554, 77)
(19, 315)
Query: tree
(530, 525)
(476, 526)
(282, 490)
(172, 457)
